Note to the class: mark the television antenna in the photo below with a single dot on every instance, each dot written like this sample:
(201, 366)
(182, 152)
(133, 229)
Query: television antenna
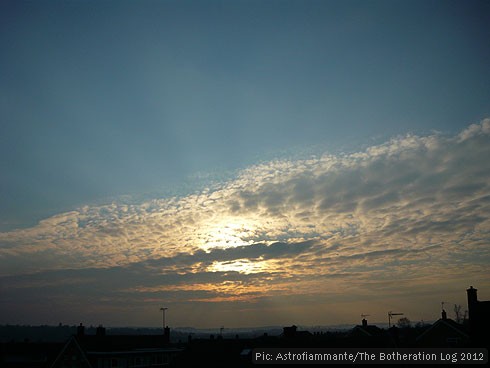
(390, 315)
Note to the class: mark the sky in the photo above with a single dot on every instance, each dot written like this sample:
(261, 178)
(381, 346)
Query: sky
(242, 163)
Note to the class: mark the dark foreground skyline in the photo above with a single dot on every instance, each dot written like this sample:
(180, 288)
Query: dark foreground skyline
(474, 313)
(444, 340)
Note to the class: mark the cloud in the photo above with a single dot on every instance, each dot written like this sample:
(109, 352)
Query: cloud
(396, 213)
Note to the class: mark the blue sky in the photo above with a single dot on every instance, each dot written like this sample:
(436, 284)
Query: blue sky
(117, 113)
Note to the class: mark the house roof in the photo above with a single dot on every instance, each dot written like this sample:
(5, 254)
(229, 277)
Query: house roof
(73, 344)
(32, 354)
(369, 330)
(93, 345)
(452, 325)
(121, 343)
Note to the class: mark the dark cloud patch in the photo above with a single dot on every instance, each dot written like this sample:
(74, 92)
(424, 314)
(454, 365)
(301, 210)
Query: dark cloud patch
(302, 191)
(252, 252)
(98, 283)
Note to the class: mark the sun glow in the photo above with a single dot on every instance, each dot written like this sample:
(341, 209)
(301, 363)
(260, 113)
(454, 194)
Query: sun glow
(229, 233)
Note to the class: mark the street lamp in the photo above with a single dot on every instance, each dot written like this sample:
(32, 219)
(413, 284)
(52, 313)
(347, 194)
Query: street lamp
(163, 317)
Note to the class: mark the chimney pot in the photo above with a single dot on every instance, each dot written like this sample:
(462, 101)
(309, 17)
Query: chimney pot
(81, 330)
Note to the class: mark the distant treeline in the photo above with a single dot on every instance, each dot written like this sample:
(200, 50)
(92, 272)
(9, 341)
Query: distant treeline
(61, 333)
(20, 333)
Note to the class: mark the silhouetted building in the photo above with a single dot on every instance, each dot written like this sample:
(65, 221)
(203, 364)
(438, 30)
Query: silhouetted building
(100, 331)
(81, 330)
(366, 330)
(72, 355)
(292, 333)
(479, 319)
(444, 333)
(289, 332)
(366, 335)
(113, 351)
(166, 335)
(217, 353)
(28, 354)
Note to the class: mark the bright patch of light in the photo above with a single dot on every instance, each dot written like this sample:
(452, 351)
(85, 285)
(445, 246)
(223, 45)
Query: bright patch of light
(229, 232)
(244, 266)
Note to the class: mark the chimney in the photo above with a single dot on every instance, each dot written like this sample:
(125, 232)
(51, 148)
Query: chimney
(472, 296)
(472, 303)
(444, 315)
(81, 330)
(100, 331)
(476, 323)
(289, 332)
(364, 322)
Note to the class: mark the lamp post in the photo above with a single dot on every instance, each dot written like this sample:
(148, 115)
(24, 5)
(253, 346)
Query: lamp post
(163, 318)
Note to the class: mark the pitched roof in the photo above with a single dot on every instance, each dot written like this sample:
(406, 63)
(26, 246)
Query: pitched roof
(120, 343)
(452, 325)
(72, 343)
(369, 330)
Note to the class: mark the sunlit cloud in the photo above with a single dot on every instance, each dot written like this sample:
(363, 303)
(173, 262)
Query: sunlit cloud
(413, 211)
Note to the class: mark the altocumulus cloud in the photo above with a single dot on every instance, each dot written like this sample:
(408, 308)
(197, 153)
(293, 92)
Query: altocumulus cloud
(413, 211)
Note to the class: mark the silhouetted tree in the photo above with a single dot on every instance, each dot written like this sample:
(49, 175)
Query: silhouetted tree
(404, 323)
(459, 316)
(421, 324)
